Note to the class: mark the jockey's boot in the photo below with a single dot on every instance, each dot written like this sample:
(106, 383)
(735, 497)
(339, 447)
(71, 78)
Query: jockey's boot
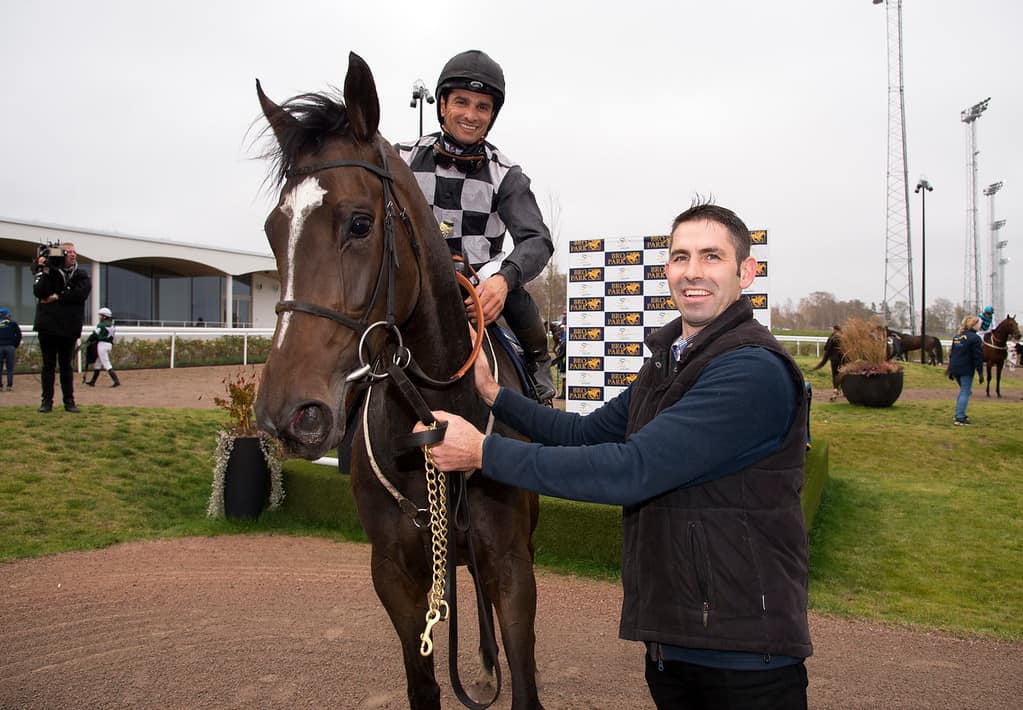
(92, 382)
(113, 376)
(544, 380)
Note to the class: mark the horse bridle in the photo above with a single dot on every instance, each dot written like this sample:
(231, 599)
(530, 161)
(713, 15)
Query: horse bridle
(388, 263)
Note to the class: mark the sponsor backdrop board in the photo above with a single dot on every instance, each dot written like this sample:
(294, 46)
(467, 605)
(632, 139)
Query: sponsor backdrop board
(617, 295)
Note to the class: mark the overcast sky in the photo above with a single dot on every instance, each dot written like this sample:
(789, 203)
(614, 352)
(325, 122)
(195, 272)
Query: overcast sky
(137, 117)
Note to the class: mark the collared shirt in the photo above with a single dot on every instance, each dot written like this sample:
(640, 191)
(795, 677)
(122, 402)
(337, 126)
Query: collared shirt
(678, 347)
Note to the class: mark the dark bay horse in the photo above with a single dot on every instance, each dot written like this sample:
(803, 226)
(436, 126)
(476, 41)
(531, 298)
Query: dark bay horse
(996, 350)
(903, 343)
(368, 288)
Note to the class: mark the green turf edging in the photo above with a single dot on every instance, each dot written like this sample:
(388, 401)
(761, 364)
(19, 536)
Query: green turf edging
(585, 537)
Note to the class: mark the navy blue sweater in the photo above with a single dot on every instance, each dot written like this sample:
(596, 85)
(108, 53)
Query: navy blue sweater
(744, 398)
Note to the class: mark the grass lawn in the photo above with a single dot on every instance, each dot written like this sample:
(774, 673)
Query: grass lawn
(919, 525)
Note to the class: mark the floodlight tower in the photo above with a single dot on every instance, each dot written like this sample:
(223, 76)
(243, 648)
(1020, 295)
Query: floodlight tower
(898, 263)
(972, 293)
(992, 252)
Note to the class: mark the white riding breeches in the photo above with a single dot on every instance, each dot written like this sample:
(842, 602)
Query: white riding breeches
(103, 356)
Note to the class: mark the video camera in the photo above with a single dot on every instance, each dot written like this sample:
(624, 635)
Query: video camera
(54, 254)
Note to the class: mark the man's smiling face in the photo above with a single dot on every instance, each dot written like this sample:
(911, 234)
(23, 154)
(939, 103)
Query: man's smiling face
(467, 115)
(703, 274)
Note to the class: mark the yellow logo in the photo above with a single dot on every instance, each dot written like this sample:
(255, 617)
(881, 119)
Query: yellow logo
(757, 300)
(758, 236)
(653, 272)
(595, 274)
(619, 379)
(623, 258)
(627, 349)
(586, 245)
(623, 288)
(585, 363)
(659, 303)
(585, 333)
(586, 304)
(592, 394)
(661, 242)
(623, 318)
(761, 269)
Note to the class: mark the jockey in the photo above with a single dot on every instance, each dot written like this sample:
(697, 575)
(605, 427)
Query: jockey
(478, 195)
(985, 318)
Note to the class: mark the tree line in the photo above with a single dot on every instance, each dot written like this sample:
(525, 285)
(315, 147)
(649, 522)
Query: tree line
(820, 310)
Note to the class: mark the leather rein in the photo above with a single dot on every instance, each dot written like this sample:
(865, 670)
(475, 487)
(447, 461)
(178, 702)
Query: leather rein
(401, 360)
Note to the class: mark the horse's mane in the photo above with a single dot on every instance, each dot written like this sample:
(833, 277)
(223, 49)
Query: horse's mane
(318, 117)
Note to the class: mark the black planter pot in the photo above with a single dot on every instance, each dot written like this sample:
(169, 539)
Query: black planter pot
(873, 390)
(246, 481)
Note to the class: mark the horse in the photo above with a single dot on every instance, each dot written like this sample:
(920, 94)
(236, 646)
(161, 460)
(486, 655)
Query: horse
(369, 303)
(996, 349)
(903, 343)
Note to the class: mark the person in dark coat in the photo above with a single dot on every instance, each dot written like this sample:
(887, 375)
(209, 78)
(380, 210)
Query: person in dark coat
(705, 450)
(62, 291)
(10, 339)
(965, 358)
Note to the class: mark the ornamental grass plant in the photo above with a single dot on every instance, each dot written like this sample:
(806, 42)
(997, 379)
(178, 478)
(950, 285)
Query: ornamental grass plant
(865, 346)
(239, 403)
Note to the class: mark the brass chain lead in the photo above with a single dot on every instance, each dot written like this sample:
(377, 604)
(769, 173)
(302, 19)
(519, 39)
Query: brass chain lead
(436, 491)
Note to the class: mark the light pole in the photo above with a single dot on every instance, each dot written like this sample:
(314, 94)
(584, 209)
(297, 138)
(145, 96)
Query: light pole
(923, 187)
(419, 94)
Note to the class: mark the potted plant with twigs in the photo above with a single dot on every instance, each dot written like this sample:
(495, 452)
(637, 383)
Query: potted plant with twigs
(867, 377)
(247, 473)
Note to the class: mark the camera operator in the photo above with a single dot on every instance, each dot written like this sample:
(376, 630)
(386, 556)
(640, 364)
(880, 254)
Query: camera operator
(61, 289)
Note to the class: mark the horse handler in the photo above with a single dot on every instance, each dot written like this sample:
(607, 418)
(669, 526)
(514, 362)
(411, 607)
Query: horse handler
(705, 451)
(965, 357)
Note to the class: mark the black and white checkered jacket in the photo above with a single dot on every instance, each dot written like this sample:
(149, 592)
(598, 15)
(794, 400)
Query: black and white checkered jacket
(483, 206)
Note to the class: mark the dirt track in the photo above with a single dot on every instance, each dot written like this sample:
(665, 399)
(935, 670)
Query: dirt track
(280, 622)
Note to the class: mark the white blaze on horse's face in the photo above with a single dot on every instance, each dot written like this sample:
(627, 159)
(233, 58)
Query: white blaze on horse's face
(303, 199)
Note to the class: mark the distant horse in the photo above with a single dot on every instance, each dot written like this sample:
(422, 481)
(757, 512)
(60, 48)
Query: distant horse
(996, 349)
(904, 343)
(368, 294)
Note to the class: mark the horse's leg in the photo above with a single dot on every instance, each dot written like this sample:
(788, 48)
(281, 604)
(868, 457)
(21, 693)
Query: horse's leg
(513, 590)
(987, 389)
(404, 599)
(998, 379)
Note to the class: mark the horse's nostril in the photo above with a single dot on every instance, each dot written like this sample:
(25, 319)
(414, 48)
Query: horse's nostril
(311, 423)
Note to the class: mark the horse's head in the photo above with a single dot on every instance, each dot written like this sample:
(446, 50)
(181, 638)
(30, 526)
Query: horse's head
(1011, 327)
(343, 246)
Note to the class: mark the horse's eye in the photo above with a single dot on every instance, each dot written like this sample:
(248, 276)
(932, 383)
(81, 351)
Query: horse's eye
(361, 226)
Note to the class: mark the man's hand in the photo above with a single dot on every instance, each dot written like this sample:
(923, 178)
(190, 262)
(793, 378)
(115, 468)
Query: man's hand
(492, 294)
(462, 447)
(50, 299)
(486, 385)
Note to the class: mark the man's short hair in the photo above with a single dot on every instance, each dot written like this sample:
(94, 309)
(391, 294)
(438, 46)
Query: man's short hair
(705, 209)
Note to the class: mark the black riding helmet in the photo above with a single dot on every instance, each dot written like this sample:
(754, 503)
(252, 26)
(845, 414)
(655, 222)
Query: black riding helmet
(472, 70)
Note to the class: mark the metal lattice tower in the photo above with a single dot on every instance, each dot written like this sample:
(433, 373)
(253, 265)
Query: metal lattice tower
(972, 265)
(898, 263)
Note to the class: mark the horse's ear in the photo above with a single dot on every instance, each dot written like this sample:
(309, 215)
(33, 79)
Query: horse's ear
(280, 120)
(361, 99)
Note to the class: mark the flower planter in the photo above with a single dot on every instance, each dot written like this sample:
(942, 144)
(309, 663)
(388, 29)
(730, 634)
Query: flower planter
(246, 480)
(879, 390)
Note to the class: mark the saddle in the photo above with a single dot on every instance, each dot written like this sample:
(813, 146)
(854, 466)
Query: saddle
(507, 340)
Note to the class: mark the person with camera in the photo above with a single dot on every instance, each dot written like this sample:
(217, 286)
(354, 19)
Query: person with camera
(61, 289)
(10, 339)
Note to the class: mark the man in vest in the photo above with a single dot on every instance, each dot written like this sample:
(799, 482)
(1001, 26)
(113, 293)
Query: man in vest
(478, 195)
(705, 451)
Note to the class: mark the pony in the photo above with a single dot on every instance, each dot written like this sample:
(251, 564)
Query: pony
(996, 349)
(903, 343)
(370, 305)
